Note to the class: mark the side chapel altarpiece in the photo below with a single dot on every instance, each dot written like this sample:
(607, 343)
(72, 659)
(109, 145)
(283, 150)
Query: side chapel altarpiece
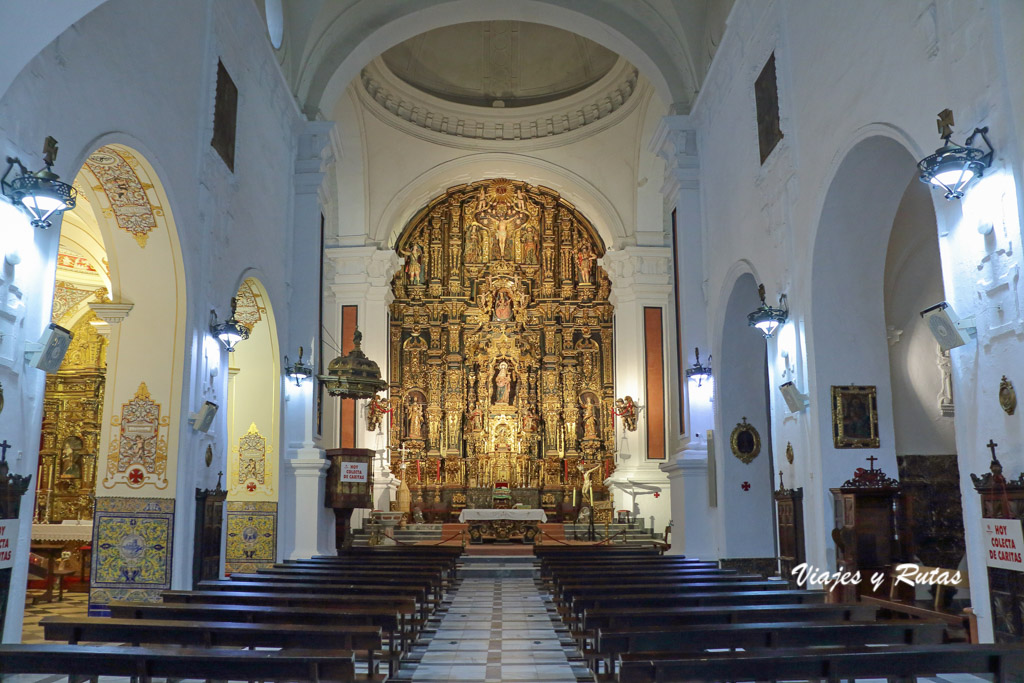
(501, 349)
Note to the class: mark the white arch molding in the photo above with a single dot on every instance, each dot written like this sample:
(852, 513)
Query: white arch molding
(590, 201)
(336, 58)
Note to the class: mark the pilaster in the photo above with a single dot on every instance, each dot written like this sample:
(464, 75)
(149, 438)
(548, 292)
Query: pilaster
(692, 532)
(308, 475)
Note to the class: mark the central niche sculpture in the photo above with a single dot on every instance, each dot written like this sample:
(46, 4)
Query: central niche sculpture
(501, 349)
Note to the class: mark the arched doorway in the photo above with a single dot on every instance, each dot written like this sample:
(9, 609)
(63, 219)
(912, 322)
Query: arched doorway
(120, 283)
(743, 445)
(921, 377)
(501, 354)
(254, 459)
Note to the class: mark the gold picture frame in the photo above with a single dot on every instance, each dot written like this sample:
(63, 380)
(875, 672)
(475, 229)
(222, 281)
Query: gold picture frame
(745, 441)
(855, 416)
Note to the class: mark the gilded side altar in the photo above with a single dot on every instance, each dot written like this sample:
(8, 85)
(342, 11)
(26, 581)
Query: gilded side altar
(501, 349)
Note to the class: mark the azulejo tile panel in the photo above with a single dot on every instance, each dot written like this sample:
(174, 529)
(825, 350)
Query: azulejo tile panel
(131, 557)
(251, 536)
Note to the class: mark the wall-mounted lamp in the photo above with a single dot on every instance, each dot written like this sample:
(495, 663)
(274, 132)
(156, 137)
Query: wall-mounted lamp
(697, 370)
(229, 332)
(39, 193)
(953, 166)
(768, 318)
(298, 370)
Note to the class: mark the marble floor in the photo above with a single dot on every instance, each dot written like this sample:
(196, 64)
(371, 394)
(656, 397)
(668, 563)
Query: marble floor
(496, 629)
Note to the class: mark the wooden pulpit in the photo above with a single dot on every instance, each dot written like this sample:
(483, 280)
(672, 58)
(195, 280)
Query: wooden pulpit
(349, 486)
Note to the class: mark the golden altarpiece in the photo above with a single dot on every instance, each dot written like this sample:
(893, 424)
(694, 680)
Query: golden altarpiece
(72, 410)
(501, 353)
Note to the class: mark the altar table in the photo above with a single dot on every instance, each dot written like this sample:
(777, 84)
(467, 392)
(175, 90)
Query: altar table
(502, 525)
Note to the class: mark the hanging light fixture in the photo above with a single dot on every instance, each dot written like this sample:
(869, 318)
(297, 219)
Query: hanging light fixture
(298, 370)
(353, 375)
(953, 166)
(698, 370)
(41, 194)
(768, 318)
(229, 332)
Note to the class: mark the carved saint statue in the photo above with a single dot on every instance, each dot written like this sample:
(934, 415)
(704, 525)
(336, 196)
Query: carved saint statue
(502, 306)
(589, 419)
(529, 245)
(585, 260)
(588, 485)
(416, 420)
(503, 385)
(530, 420)
(473, 244)
(414, 267)
(71, 459)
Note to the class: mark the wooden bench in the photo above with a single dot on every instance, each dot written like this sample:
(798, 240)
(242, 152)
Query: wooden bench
(389, 621)
(74, 630)
(144, 664)
(673, 641)
(727, 609)
(1004, 662)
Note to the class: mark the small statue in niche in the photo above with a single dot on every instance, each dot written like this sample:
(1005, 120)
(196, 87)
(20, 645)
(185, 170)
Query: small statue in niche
(503, 385)
(71, 458)
(530, 245)
(585, 260)
(530, 420)
(502, 306)
(589, 419)
(416, 420)
(414, 268)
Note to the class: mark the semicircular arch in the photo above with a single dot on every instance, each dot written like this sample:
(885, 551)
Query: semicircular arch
(354, 38)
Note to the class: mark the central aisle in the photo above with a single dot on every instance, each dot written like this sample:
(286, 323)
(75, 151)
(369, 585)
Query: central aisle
(495, 629)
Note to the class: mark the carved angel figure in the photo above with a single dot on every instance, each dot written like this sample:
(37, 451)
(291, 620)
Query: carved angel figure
(626, 409)
(376, 410)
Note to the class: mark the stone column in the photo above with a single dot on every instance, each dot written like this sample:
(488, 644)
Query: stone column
(362, 278)
(640, 276)
(307, 528)
(676, 142)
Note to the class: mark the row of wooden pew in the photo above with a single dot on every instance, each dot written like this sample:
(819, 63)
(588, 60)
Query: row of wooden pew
(322, 616)
(641, 617)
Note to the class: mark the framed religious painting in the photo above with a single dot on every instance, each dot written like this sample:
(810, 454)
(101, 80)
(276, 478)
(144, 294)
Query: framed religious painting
(855, 417)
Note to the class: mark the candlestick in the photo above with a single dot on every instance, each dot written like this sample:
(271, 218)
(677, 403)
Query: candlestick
(438, 471)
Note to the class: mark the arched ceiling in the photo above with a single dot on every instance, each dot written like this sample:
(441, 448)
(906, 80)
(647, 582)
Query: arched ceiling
(662, 38)
(499, 63)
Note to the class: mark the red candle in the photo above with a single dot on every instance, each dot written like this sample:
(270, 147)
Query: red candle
(607, 468)
(566, 463)
(418, 478)
(438, 471)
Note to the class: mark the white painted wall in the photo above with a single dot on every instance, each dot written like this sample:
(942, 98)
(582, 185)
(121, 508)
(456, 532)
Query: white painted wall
(142, 74)
(814, 221)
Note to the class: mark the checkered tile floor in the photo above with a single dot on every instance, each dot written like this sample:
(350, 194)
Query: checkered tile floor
(73, 605)
(500, 629)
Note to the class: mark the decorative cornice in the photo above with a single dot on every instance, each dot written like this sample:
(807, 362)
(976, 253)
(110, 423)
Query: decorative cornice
(112, 313)
(401, 105)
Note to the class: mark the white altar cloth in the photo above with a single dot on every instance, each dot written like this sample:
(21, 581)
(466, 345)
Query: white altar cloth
(484, 515)
(71, 531)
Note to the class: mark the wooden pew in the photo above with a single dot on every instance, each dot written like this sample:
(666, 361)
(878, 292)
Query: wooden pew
(407, 607)
(448, 567)
(420, 593)
(1004, 662)
(673, 641)
(435, 578)
(144, 664)
(628, 615)
(388, 620)
(74, 630)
